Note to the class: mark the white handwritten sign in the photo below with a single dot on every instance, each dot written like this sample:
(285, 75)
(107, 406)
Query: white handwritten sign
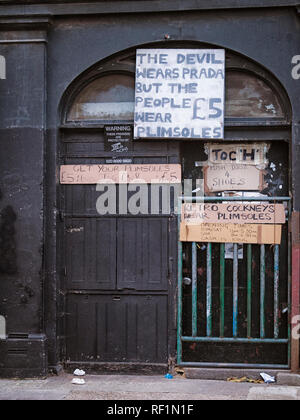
(179, 93)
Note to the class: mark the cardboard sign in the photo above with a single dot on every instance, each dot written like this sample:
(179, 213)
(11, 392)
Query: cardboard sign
(231, 233)
(120, 174)
(196, 213)
(247, 154)
(233, 177)
(179, 93)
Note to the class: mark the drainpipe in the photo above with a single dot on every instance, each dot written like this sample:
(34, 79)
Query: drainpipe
(295, 291)
(2, 318)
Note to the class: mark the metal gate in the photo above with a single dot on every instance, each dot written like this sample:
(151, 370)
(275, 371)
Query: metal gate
(231, 314)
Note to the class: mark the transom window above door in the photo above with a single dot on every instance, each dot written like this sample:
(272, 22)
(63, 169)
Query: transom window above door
(106, 93)
(108, 98)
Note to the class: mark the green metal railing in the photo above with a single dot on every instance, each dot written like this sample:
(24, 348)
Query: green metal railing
(235, 338)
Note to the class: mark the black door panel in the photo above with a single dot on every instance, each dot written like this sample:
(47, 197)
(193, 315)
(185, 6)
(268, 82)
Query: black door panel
(114, 328)
(142, 253)
(91, 253)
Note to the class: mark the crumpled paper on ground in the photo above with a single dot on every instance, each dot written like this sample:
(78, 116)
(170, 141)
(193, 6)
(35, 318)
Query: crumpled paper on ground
(245, 379)
(267, 378)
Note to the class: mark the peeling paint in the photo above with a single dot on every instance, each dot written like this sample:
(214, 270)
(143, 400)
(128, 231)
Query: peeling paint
(271, 108)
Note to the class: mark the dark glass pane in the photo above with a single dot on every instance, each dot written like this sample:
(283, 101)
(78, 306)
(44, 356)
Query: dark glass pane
(107, 98)
(247, 96)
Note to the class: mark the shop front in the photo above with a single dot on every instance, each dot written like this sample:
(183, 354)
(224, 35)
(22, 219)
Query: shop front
(151, 189)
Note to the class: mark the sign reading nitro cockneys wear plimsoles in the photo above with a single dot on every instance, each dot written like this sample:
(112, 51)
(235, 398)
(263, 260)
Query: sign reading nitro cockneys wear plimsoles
(179, 94)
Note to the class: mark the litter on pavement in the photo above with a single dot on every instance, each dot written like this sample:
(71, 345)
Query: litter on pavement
(245, 379)
(79, 372)
(267, 378)
(78, 381)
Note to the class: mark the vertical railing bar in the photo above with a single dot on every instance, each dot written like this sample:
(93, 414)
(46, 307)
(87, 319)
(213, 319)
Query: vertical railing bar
(235, 290)
(222, 289)
(209, 291)
(194, 289)
(262, 291)
(249, 289)
(289, 285)
(179, 291)
(276, 291)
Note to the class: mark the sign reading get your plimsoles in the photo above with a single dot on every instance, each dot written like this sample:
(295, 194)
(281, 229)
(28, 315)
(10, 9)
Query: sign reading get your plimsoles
(179, 93)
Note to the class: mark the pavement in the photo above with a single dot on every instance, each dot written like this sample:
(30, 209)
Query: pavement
(138, 387)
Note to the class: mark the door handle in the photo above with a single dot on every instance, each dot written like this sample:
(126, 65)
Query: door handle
(171, 259)
(187, 281)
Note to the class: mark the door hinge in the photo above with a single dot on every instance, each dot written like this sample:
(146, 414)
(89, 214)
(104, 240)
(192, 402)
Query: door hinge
(61, 215)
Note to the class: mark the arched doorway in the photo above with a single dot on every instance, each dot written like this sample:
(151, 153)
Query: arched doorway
(120, 271)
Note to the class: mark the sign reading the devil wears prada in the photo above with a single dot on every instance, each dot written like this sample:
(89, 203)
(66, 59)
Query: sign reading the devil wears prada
(179, 93)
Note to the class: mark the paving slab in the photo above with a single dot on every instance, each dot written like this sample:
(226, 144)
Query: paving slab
(286, 378)
(274, 393)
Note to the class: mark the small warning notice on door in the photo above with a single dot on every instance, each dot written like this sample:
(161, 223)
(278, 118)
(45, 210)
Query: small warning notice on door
(118, 138)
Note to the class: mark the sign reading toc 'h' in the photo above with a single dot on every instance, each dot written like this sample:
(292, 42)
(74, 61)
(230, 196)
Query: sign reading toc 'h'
(179, 94)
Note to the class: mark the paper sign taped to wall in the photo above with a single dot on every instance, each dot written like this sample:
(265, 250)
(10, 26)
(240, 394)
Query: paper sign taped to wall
(233, 177)
(121, 174)
(231, 233)
(179, 93)
(196, 213)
